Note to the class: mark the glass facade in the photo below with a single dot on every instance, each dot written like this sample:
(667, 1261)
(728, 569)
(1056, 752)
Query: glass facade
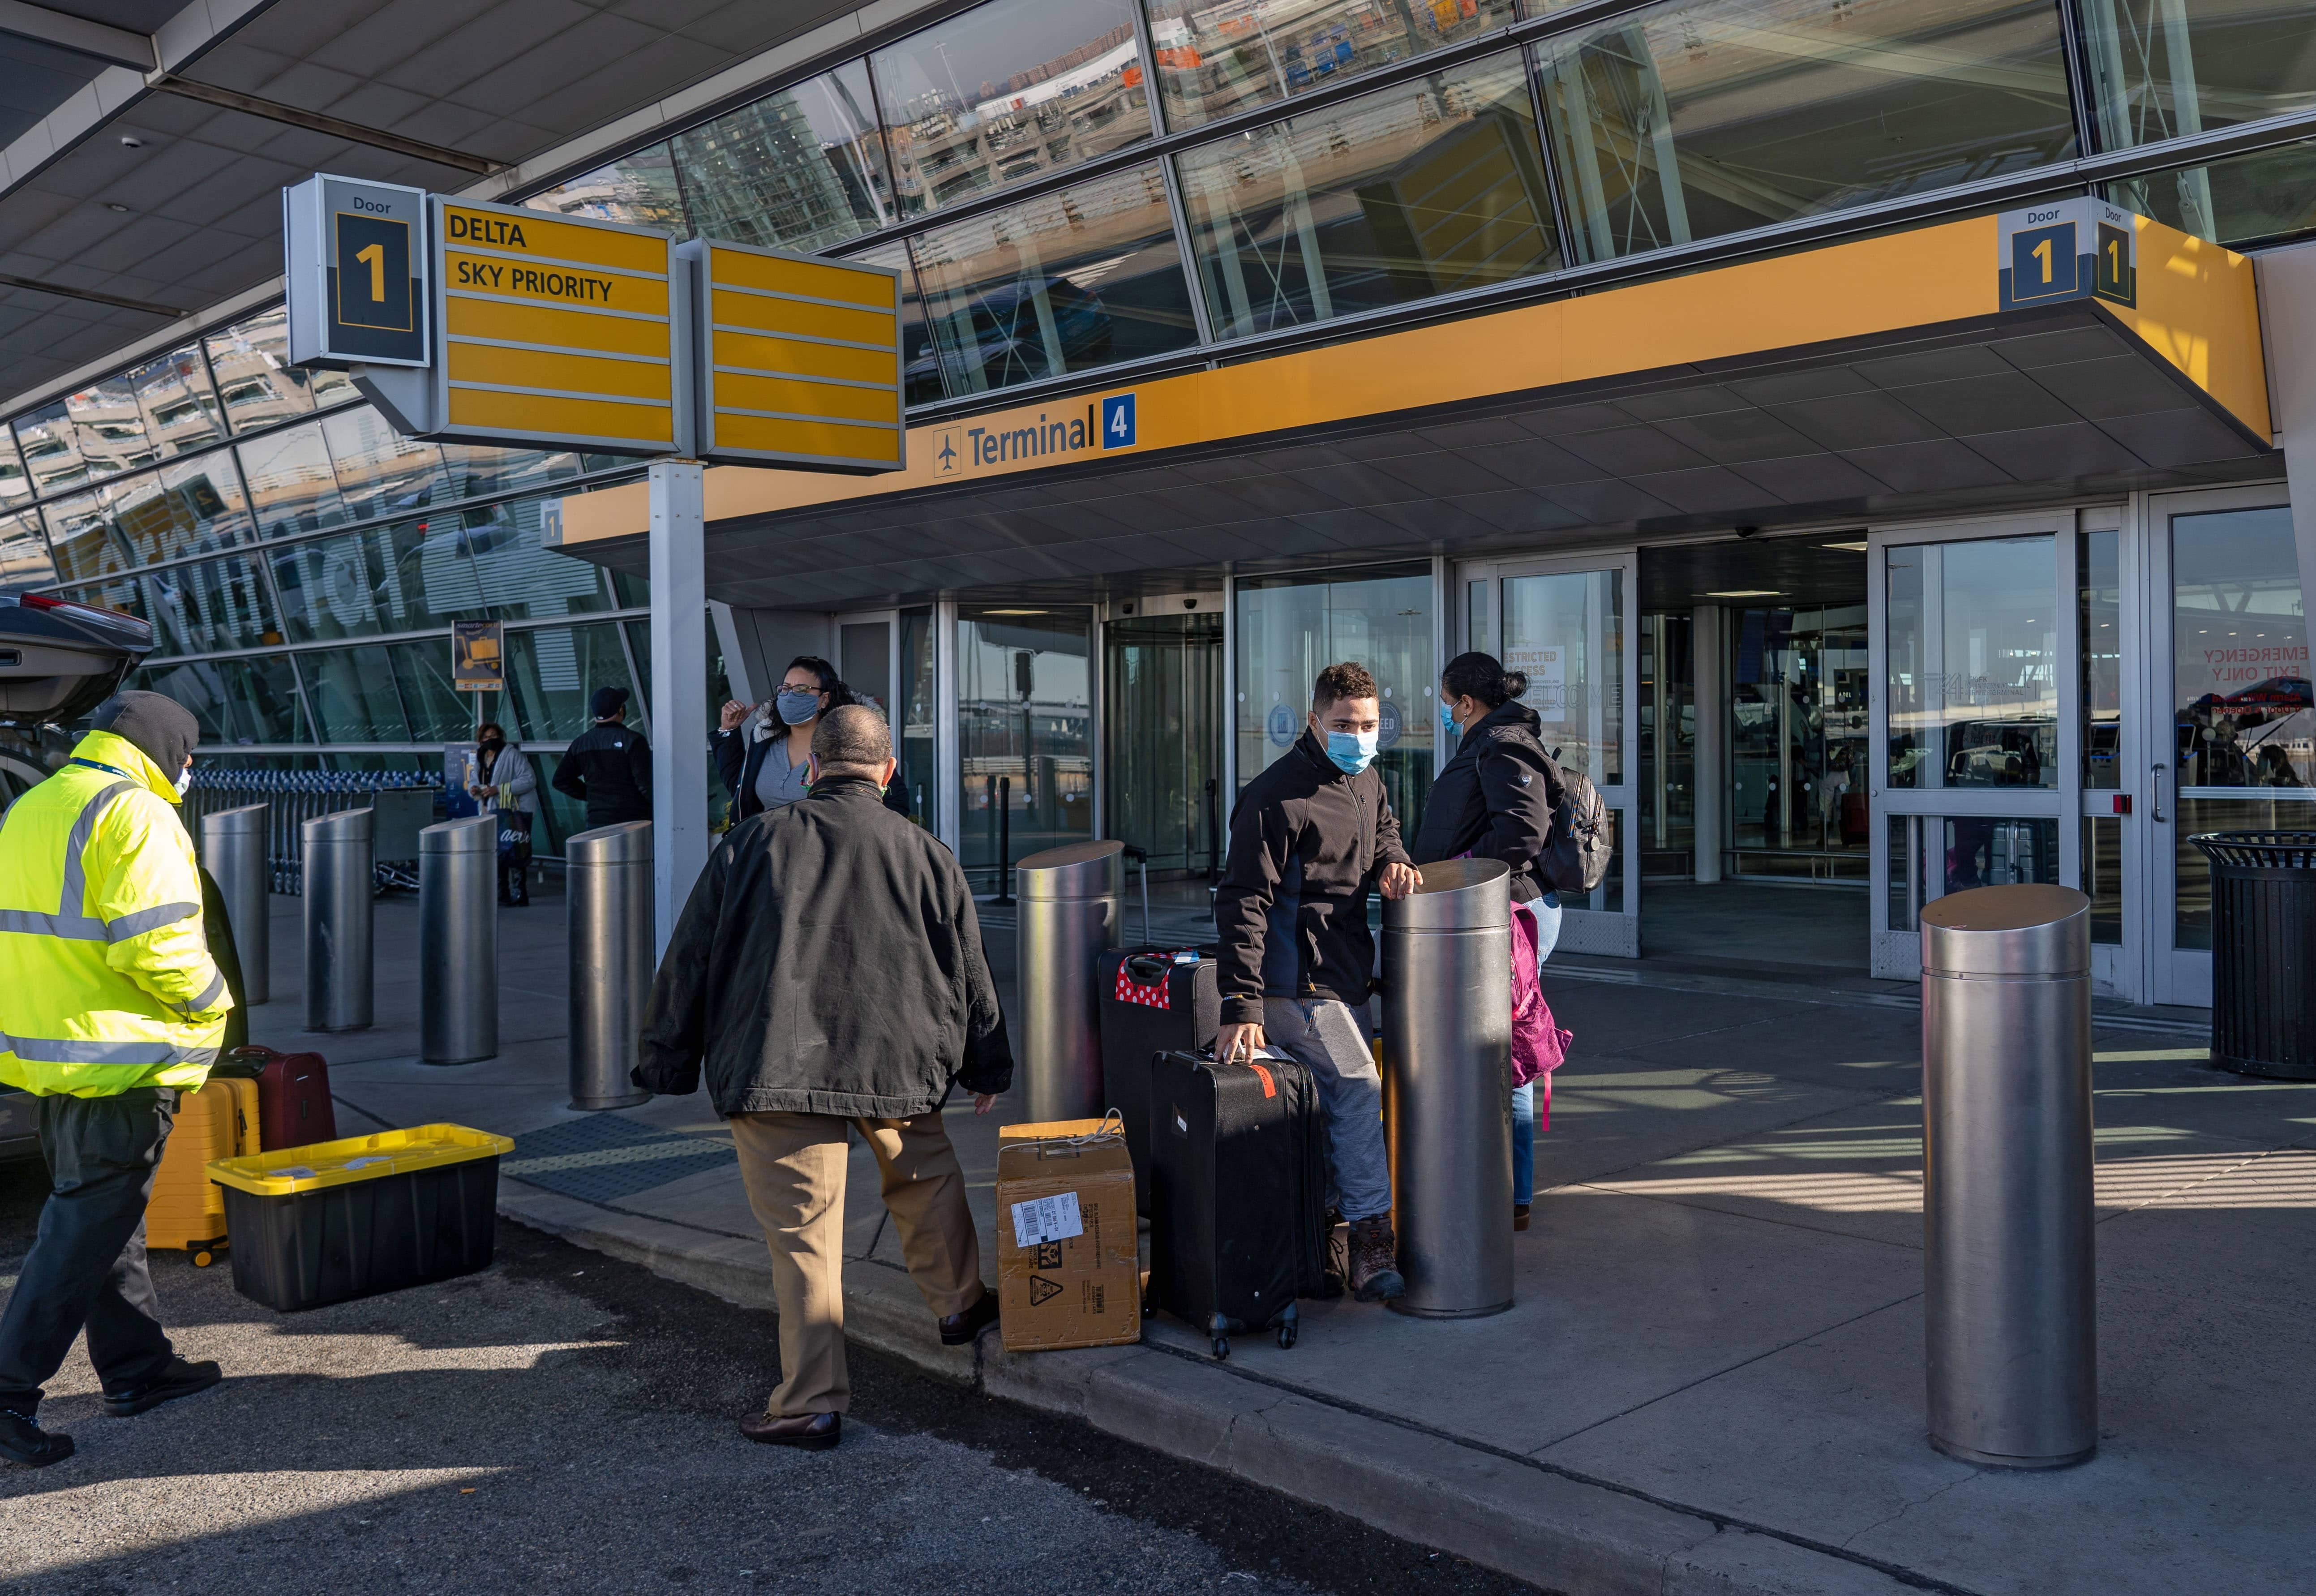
(1025, 735)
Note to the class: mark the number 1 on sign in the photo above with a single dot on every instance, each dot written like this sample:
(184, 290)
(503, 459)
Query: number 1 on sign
(374, 256)
(2040, 252)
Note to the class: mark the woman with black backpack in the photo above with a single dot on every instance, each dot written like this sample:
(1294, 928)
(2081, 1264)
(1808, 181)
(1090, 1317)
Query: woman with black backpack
(1495, 799)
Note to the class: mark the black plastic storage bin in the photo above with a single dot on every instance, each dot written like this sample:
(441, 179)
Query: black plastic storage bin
(2263, 951)
(339, 1220)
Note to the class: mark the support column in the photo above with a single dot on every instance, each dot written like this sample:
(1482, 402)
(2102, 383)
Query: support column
(1711, 777)
(2287, 314)
(679, 696)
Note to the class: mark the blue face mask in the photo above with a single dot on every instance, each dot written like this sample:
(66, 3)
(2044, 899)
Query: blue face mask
(1447, 718)
(796, 708)
(1352, 752)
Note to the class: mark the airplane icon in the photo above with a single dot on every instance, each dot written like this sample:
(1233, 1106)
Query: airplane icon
(947, 456)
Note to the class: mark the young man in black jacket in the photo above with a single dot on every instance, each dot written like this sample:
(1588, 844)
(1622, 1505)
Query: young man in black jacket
(1309, 837)
(608, 766)
(828, 975)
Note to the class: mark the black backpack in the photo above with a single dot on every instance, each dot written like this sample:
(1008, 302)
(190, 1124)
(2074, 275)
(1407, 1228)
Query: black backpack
(1583, 840)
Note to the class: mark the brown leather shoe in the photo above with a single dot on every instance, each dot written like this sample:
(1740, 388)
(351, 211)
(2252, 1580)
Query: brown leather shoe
(1520, 1216)
(958, 1330)
(814, 1432)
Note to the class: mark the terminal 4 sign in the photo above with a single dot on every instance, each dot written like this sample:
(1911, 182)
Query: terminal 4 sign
(526, 329)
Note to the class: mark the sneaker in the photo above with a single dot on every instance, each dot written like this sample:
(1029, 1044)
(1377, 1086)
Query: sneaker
(177, 1378)
(1375, 1261)
(22, 1440)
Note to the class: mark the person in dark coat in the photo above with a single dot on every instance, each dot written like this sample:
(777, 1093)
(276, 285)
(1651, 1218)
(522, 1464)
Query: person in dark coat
(608, 766)
(827, 976)
(1495, 799)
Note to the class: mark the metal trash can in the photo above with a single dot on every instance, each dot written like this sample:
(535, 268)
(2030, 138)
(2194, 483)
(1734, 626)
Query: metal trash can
(2263, 948)
(340, 894)
(232, 852)
(608, 883)
(458, 940)
(1068, 913)
(2012, 1344)
(1447, 1073)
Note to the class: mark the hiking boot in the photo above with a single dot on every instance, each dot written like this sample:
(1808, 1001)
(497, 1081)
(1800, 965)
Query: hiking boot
(22, 1440)
(178, 1378)
(1375, 1261)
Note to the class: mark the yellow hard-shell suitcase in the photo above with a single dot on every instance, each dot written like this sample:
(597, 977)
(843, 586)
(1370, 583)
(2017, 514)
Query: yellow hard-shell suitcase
(187, 1210)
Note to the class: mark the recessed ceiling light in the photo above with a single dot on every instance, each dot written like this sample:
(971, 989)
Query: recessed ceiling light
(1746, 592)
(128, 141)
(1856, 547)
(1013, 612)
(123, 208)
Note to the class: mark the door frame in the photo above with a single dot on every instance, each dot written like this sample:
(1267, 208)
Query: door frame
(1897, 955)
(1599, 926)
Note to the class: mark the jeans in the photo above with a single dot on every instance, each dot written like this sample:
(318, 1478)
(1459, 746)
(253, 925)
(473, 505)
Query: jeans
(1325, 1038)
(86, 1267)
(1546, 912)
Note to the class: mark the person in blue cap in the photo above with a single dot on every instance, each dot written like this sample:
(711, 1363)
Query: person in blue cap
(608, 766)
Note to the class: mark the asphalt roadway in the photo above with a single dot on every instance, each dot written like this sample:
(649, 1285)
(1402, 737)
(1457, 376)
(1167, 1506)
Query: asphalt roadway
(564, 1420)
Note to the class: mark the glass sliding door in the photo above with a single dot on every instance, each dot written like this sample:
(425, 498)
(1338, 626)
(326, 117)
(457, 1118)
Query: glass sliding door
(2236, 749)
(1025, 736)
(1976, 749)
(1161, 697)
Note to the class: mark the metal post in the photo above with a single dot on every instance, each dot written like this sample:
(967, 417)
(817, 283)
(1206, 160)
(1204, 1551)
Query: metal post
(679, 698)
(1068, 915)
(2007, 1203)
(458, 940)
(609, 885)
(340, 896)
(232, 849)
(1448, 1088)
(1004, 840)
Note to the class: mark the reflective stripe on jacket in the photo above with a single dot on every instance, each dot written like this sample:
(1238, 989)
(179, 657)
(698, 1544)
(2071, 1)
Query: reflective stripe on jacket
(106, 982)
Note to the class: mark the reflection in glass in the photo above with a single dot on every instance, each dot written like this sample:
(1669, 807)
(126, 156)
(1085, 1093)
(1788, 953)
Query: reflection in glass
(1217, 61)
(1798, 750)
(14, 485)
(379, 471)
(1069, 280)
(190, 507)
(110, 427)
(487, 564)
(1972, 679)
(254, 381)
(83, 536)
(2102, 873)
(1008, 90)
(1290, 628)
(2192, 881)
(1161, 678)
(1421, 188)
(1024, 715)
(1565, 632)
(352, 693)
(639, 189)
(1691, 121)
(209, 608)
(291, 487)
(1668, 746)
(179, 408)
(921, 366)
(917, 714)
(437, 712)
(2100, 625)
(2240, 649)
(2266, 195)
(2167, 69)
(25, 561)
(551, 671)
(235, 701)
(50, 448)
(802, 169)
(1932, 855)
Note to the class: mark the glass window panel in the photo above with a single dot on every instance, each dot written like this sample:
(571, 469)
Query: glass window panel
(1417, 189)
(486, 564)
(1067, 281)
(207, 608)
(1025, 714)
(2192, 891)
(1565, 632)
(802, 169)
(353, 696)
(111, 427)
(235, 701)
(51, 449)
(921, 365)
(190, 507)
(2267, 195)
(559, 816)
(2102, 875)
(1971, 664)
(2099, 625)
(25, 559)
(378, 471)
(1291, 627)
(291, 485)
(14, 485)
(918, 715)
(1217, 61)
(2166, 68)
(437, 712)
(2239, 650)
(471, 470)
(638, 189)
(1691, 121)
(179, 407)
(1007, 91)
(551, 671)
(83, 536)
(256, 384)
(630, 592)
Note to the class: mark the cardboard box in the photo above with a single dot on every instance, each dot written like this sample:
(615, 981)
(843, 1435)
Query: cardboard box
(1069, 1270)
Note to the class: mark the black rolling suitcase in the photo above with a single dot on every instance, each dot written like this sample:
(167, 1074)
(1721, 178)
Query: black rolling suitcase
(1238, 1193)
(1154, 1000)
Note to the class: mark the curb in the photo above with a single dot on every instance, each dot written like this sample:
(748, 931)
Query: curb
(1549, 1529)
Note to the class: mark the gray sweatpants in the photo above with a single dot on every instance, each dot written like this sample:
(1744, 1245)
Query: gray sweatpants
(1325, 1038)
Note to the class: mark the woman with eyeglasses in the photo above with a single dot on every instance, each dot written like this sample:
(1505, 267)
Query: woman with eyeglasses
(760, 752)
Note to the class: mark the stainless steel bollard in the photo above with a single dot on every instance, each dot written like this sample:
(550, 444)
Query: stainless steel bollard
(232, 852)
(2007, 1203)
(1446, 1071)
(339, 894)
(1068, 913)
(608, 877)
(458, 940)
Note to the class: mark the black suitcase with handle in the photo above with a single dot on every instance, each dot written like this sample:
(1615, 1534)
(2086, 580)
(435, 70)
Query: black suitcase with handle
(1154, 1000)
(1238, 1194)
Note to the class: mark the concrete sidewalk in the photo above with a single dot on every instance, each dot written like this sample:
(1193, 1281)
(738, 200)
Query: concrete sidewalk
(1713, 1379)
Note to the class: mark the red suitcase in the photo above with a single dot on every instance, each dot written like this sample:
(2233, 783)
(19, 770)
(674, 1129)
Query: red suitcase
(293, 1101)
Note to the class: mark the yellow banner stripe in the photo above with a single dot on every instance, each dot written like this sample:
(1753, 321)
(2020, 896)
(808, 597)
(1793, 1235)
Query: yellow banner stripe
(540, 235)
(558, 285)
(818, 280)
(814, 398)
(540, 415)
(548, 324)
(571, 374)
(790, 315)
(805, 359)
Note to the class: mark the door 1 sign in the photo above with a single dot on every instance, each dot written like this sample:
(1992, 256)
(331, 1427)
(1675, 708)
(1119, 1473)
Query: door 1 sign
(357, 268)
(2068, 249)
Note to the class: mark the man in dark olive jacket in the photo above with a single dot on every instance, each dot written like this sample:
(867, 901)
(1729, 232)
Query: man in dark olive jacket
(828, 971)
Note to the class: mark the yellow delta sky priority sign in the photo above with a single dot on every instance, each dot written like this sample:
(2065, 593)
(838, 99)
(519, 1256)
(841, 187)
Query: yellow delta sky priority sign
(799, 359)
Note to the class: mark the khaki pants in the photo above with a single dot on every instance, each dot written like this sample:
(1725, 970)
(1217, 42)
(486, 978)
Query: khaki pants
(793, 1166)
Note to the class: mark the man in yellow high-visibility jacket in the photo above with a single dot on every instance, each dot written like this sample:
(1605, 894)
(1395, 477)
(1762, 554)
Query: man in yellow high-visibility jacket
(109, 1007)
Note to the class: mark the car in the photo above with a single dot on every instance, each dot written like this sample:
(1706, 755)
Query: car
(58, 659)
